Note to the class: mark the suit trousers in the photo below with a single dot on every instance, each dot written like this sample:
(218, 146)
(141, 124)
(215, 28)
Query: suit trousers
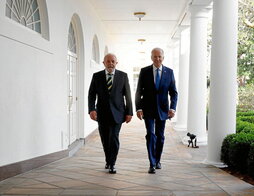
(154, 139)
(109, 133)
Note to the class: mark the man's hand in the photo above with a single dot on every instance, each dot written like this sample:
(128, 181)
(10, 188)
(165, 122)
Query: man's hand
(93, 115)
(128, 118)
(171, 113)
(140, 114)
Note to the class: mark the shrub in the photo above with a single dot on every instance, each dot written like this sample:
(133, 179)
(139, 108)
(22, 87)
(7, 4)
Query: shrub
(225, 148)
(244, 126)
(245, 122)
(249, 129)
(251, 161)
(249, 113)
(238, 152)
(249, 119)
(240, 125)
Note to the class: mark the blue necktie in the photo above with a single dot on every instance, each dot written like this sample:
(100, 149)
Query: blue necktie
(157, 79)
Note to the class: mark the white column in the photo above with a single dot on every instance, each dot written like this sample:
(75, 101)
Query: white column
(223, 89)
(174, 63)
(183, 75)
(196, 123)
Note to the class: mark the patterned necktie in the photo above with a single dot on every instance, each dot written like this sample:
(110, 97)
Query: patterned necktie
(157, 79)
(109, 82)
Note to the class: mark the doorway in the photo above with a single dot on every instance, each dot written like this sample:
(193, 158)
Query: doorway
(72, 87)
(72, 96)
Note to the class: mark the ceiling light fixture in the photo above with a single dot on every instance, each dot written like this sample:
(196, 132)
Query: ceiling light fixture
(139, 15)
(141, 40)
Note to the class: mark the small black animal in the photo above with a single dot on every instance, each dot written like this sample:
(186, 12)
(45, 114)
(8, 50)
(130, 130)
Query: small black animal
(192, 137)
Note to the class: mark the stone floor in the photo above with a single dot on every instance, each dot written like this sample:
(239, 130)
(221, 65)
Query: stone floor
(183, 172)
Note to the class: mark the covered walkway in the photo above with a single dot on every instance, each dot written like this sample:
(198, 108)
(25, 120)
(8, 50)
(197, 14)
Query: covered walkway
(182, 173)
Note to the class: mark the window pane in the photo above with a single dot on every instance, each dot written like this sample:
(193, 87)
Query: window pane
(71, 40)
(25, 12)
(36, 16)
(38, 27)
(95, 50)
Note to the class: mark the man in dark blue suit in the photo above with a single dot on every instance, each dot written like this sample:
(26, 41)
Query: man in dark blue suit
(156, 82)
(111, 89)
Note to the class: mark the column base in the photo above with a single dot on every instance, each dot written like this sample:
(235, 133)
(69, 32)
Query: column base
(216, 164)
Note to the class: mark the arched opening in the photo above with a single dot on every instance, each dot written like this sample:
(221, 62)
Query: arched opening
(29, 13)
(96, 50)
(75, 76)
(106, 50)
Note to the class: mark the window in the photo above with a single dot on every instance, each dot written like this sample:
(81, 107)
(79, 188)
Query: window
(95, 52)
(136, 71)
(106, 50)
(72, 40)
(25, 12)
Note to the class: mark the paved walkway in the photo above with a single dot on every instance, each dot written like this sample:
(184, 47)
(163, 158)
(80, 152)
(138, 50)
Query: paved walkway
(182, 173)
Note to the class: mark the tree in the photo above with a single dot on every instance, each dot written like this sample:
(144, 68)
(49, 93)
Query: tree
(246, 41)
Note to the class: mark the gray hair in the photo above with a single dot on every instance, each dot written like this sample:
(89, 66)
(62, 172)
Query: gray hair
(157, 49)
(109, 54)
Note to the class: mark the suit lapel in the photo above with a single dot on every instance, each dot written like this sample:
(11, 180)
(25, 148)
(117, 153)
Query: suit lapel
(163, 76)
(151, 77)
(102, 79)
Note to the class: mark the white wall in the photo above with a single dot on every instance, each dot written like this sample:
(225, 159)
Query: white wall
(33, 99)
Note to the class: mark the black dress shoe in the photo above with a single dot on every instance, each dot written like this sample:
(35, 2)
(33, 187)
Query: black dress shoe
(158, 166)
(107, 166)
(151, 170)
(112, 170)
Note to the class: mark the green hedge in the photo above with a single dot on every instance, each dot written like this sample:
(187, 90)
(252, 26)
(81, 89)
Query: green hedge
(249, 119)
(249, 113)
(243, 126)
(251, 161)
(237, 150)
(225, 149)
(245, 122)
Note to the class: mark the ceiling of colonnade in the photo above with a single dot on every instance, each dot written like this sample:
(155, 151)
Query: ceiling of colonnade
(157, 27)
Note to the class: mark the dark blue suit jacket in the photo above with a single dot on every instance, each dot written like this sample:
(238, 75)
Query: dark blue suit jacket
(155, 102)
(118, 102)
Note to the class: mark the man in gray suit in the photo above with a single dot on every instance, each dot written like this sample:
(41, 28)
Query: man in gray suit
(110, 104)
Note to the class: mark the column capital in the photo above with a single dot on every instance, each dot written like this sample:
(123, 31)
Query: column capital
(183, 27)
(199, 11)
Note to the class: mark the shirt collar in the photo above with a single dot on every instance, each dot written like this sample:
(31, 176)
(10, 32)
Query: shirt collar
(113, 73)
(155, 68)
